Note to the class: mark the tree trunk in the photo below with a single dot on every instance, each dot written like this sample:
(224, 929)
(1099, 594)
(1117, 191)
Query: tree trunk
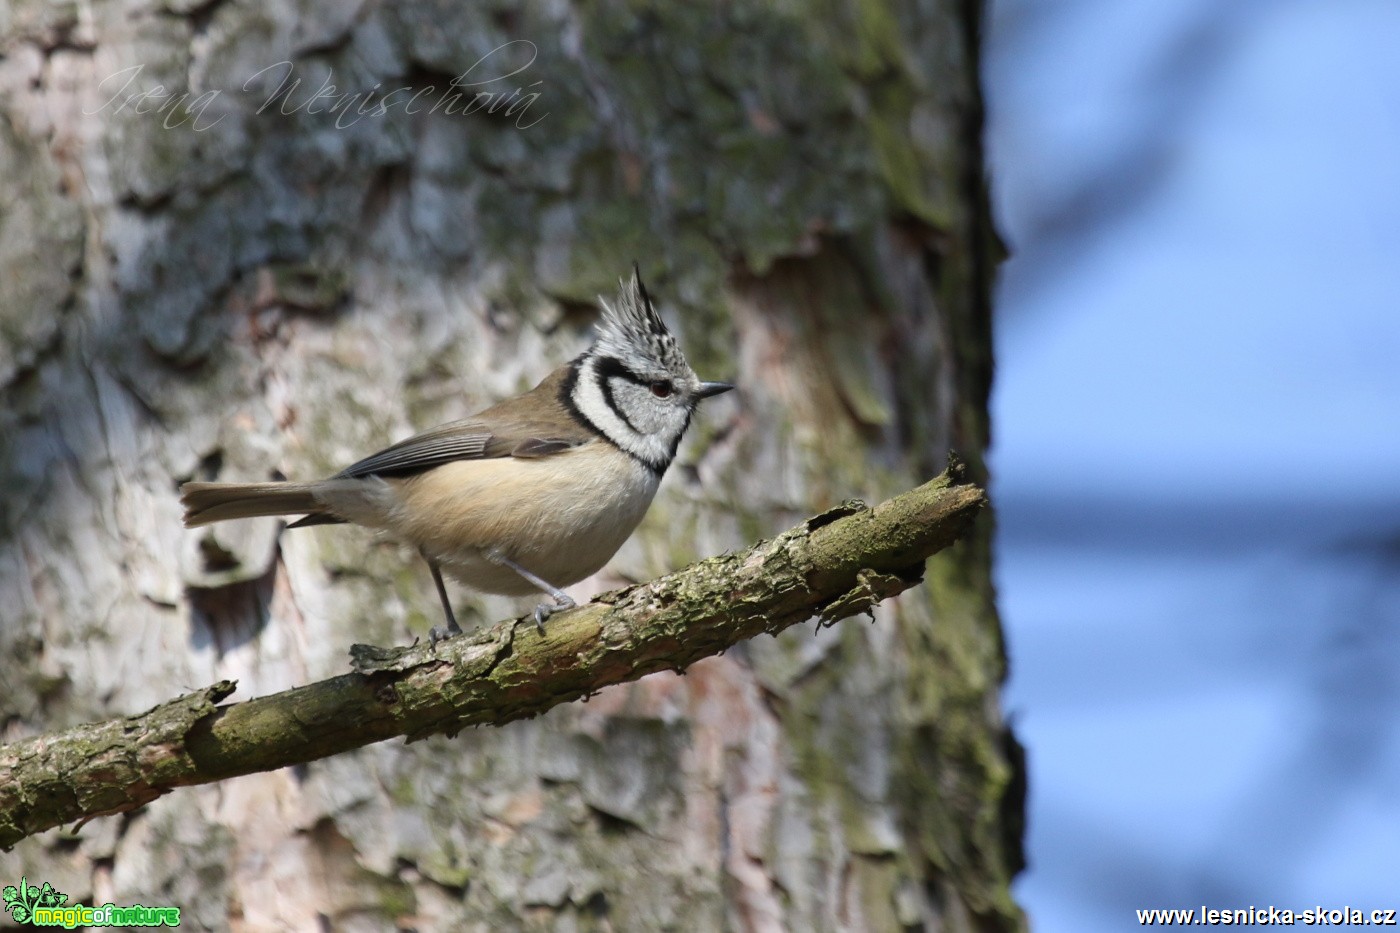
(244, 240)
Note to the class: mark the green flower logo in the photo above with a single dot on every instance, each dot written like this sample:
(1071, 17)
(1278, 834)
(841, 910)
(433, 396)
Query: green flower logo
(22, 900)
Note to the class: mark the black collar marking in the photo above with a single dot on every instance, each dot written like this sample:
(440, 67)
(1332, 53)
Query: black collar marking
(607, 366)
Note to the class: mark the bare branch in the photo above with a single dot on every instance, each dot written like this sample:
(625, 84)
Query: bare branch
(833, 565)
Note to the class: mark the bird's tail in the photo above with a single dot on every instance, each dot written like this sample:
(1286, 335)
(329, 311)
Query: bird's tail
(216, 502)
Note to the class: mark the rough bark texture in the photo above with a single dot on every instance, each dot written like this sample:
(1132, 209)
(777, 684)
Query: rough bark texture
(842, 562)
(232, 284)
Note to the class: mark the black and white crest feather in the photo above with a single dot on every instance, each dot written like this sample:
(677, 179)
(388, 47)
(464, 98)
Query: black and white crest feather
(631, 325)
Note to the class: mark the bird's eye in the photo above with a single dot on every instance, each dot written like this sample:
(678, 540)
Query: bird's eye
(662, 388)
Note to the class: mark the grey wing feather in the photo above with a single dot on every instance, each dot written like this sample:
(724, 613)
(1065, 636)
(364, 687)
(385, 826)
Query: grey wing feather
(460, 440)
(533, 448)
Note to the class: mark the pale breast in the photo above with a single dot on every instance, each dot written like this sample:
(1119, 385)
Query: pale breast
(561, 517)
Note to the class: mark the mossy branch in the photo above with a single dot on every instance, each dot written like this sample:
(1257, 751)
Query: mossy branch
(833, 565)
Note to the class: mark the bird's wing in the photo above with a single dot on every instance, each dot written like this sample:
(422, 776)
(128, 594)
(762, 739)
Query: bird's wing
(458, 440)
(466, 440)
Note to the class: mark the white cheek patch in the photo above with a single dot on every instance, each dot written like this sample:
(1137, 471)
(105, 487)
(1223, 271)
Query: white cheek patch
(593, 404)
(661, 420)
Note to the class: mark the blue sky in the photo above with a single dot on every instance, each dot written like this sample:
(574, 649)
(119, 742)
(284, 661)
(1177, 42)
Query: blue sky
(1197, 446)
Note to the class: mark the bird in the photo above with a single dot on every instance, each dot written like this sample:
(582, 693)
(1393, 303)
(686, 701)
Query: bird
(529, 495)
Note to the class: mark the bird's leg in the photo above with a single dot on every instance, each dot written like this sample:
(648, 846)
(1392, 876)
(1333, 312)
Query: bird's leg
(436, 634)
(543, 611)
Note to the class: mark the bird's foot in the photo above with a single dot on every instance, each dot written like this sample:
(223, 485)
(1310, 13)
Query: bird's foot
(440, 633)
(544, 610)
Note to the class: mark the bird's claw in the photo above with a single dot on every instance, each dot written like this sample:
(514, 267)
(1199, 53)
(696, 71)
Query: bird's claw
(544, 610)
(438, 633)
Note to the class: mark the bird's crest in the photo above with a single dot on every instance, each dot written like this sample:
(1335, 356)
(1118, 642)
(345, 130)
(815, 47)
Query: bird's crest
(631, 327)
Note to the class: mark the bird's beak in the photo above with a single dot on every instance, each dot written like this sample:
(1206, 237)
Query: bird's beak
(711, 389)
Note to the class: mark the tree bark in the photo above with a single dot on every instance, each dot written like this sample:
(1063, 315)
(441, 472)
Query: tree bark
(208, 271)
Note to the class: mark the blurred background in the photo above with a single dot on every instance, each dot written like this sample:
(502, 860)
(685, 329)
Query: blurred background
(1196, 439)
